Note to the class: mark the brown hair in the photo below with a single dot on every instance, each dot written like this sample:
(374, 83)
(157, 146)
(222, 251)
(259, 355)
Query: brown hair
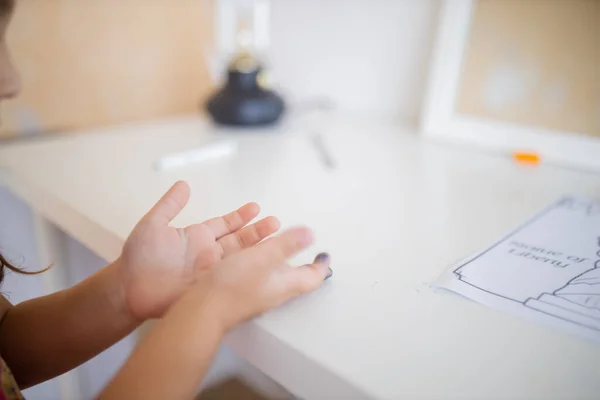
(6, 7)
(5, 265)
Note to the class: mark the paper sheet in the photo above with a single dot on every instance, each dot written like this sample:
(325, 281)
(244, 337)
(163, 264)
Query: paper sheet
(547, 270)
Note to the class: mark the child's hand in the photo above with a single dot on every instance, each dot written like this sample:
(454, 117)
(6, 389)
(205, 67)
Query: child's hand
(159, 262)
(258, 279)
(171, 361)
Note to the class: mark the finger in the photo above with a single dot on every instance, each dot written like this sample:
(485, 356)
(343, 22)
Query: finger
(171, 203)
(309, 277)
(233, 221)
(276, 250)
(249, 236)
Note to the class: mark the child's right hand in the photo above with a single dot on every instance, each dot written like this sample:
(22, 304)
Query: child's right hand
(172, 359)
(257, 279)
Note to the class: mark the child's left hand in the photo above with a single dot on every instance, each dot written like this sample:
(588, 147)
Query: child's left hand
(159, 262)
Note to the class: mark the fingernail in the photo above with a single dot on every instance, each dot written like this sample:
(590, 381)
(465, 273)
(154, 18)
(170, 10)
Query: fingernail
(322, 257)
(329, 274)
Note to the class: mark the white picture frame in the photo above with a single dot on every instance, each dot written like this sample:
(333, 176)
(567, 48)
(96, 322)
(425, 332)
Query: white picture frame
(440, 121)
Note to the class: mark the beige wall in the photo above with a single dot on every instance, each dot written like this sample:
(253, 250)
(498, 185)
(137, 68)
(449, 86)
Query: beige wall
(534, 62)
(86, 63)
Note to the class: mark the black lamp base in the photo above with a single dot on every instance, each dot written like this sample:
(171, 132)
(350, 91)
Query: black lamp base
(242, 102)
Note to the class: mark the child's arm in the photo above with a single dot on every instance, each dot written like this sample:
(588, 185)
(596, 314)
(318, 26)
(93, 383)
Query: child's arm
(171, 361)
(47, 336)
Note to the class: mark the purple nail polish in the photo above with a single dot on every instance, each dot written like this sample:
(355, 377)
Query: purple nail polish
(329, 274)
(322, 257)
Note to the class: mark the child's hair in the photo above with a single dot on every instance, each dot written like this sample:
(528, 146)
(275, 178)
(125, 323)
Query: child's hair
(6, 7)
(5, 264)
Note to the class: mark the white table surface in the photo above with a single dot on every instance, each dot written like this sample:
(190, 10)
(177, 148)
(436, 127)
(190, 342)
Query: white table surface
(394, 214)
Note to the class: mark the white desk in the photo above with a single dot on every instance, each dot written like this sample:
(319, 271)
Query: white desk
(394, 214)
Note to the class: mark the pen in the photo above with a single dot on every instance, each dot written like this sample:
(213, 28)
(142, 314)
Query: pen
(323, 151)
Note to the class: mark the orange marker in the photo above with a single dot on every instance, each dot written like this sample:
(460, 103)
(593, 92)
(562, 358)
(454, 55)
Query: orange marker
(526, 158)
